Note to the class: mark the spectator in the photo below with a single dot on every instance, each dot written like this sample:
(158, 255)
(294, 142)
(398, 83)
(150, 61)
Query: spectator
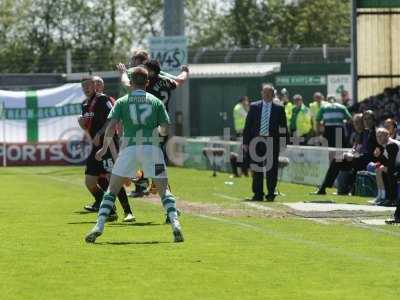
(355, 160)
(239, 116)
(388, 158)
(300, 123)
(315, 106)
(285, 101)
(391, 126)
(240, 113)
(334, 116)
(356, 136)
(345, 98)
(239, 164)
(385, 105)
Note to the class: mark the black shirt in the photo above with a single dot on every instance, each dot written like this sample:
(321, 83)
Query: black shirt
(161, 87)
(95, 111)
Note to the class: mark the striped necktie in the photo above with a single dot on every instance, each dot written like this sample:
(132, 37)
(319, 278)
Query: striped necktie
(265, 115)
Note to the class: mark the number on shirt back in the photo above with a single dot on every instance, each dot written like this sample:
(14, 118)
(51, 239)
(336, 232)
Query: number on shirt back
(139, 113)
(164, 95)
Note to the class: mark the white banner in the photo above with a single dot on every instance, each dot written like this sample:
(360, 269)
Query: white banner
(40, 116)
(170, 51)
(339, 83)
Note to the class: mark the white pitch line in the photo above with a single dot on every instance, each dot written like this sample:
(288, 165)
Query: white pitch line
(225, 196)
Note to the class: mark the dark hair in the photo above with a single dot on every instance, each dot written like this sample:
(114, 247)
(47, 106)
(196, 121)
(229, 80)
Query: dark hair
(369, 113)
(140, 54)
(391, 121)
(153, 65)
(138, 76)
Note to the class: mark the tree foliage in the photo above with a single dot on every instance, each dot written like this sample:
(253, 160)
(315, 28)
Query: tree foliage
(35, 34)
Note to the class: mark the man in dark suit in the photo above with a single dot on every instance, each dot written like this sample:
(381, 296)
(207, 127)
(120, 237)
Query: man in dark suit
(265, 125)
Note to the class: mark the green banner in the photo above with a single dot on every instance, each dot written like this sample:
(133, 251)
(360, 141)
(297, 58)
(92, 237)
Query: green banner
(378, 4)
(298, 80)
(42, 112)
(31, 119)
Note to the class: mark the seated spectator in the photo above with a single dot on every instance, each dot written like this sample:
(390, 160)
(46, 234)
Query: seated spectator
(300, 124)
(388, 159)
(391, 126)
(357, 135)
(237, 164)
(355, 160)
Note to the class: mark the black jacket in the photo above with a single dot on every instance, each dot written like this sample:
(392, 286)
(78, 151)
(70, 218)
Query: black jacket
(277, 123)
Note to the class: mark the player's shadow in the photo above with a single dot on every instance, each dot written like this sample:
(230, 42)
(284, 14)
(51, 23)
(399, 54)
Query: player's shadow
(124, 243)
(83, 212)
(136, 224)
(82, 222)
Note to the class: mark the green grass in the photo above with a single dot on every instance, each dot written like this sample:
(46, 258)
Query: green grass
(43, 255)
(200, 186)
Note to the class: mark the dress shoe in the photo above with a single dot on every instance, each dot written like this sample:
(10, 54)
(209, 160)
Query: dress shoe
(392, 222)
(270, 197)
(318, 192)
(255, 198)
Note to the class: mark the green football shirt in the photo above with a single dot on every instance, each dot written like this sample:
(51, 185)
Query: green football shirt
(333, 114)
(140, 113)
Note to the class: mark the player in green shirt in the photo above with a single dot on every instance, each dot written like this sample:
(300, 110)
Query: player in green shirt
(143, 117)
(333, 116)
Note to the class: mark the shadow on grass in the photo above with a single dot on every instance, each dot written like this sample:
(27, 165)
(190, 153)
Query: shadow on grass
(83, 222)
(136, 224)
(124, 243)
(83, 212)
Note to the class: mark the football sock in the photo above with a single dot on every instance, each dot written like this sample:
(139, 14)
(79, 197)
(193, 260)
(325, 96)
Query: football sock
(169, 204)
(106, 207)
(103, 183)
(98, 196)
(123, 199)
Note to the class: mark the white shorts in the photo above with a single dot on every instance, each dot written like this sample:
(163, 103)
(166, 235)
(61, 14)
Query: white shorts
(148, 158)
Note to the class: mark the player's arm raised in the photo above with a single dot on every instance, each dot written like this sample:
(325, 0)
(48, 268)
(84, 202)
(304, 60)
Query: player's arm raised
(124, 74)
(181, 78)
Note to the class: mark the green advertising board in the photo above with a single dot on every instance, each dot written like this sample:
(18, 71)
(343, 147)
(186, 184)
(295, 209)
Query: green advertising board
(298, 80)
(378, 3)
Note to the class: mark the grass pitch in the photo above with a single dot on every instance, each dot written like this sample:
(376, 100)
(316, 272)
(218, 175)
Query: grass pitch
(43, 254)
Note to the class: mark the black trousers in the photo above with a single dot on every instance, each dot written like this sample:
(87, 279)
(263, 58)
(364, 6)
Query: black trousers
(390, 182)
(355, 165)
(268, 167)
(335, 135)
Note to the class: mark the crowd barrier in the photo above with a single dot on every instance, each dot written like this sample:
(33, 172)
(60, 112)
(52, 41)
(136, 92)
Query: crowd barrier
(308, 164)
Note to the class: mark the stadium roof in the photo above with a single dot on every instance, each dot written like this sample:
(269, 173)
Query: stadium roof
(221, 70)
(233, 70)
